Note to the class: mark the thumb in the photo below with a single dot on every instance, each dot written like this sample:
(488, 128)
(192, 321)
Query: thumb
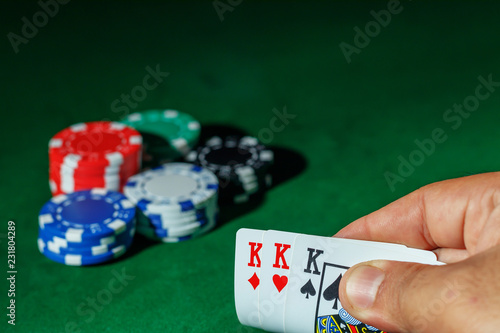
(408, 297)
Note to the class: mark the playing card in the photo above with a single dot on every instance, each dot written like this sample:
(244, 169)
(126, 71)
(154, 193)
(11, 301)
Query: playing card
(429, 255)
(276, 258)
(317, 267)
(248, 260)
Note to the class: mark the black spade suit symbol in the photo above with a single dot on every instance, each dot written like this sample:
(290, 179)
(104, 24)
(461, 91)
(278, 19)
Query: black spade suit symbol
(332, 292)
(308, 289)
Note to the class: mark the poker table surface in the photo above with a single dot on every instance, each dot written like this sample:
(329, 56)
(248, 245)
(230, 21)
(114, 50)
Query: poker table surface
(363, 102)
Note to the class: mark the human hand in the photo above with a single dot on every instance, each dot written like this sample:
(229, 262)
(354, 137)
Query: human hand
(460, 220)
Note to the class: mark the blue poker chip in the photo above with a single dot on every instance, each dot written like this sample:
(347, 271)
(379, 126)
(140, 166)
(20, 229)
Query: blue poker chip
(151, 235)
(177, 231)
(168, 220)
(86, 215)
(172, 188)
(82, 260)
(166, 210)
(198, 213)
(159, 222)
(61, 246)
(87, 243)
(175, 239)
(203, 230)
(156, 235)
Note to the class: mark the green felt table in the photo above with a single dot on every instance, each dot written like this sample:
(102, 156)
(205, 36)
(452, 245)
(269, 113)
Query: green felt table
(374, 111)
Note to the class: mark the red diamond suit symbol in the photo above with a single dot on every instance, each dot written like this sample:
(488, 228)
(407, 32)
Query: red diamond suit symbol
(254, 281)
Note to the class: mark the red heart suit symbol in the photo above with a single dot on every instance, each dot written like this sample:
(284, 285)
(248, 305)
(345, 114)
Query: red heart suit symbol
(280, 281)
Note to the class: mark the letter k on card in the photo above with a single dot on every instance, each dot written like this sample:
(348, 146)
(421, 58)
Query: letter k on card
(276, 257)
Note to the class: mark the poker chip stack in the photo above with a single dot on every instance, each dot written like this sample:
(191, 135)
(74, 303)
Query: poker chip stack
(168, 134)
(241, 164)
(86, 227)
(99, 154)
(175, 201)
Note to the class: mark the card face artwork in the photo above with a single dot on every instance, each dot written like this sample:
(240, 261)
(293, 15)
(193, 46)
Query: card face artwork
(277, 256)
(330, 316)
(247, 281)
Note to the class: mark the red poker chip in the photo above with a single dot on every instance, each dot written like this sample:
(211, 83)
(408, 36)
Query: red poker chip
(95, 144)
(89, 181)
(78, 173)
(67, 183)
(93, 155)
(89, 172)
(58, 186)
(71, 165)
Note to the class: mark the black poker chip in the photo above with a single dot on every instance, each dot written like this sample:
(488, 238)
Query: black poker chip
(241, 163)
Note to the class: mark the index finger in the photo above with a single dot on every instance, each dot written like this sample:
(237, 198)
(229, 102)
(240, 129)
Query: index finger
(447, 214)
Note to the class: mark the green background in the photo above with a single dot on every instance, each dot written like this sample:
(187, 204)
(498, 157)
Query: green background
(353, 122)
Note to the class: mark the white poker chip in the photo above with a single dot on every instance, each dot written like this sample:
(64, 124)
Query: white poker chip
(153, 209)
(176, 187)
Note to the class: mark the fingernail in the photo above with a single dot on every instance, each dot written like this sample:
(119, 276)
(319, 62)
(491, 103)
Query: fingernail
(362, 286)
